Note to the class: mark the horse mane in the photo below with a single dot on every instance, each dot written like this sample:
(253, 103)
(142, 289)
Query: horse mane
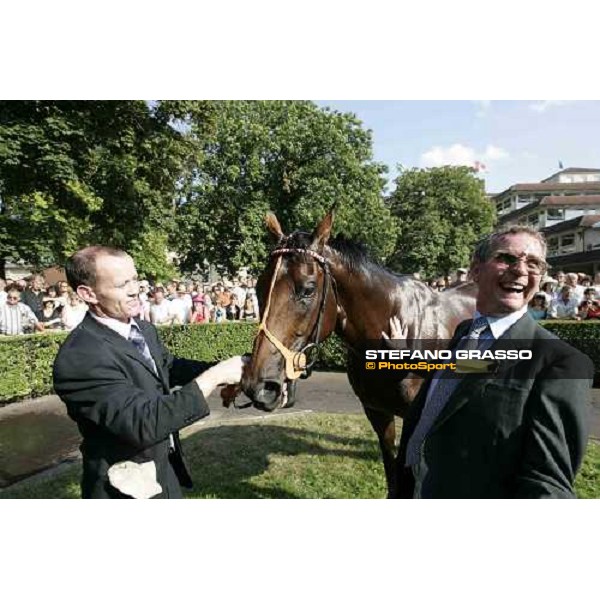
(354, 255)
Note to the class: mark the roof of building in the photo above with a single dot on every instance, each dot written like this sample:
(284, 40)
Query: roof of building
(571, 170)
(552, 187)
(587, 258)
(578, 200)
(583, 221)
(590, 199)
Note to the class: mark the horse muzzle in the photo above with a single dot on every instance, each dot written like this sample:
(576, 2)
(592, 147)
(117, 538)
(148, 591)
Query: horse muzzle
(270, 395)
(266, 396)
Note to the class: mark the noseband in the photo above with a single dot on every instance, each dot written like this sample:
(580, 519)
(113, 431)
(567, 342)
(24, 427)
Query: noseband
(297, 364)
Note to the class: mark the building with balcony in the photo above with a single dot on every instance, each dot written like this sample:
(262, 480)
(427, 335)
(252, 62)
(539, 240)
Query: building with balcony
(566, 207)
(574, 245)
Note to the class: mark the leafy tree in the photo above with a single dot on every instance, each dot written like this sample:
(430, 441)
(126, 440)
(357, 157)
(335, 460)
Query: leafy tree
(73, 173)
(441, 213)
(289, 157)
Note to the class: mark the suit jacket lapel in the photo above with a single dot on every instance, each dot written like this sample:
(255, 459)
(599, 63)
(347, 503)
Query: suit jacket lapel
(471, 385)
(414, 414)
(157, 356)
(119, 342)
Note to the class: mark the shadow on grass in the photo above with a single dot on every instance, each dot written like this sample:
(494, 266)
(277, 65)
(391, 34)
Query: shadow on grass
(316, 456)
(262, 461)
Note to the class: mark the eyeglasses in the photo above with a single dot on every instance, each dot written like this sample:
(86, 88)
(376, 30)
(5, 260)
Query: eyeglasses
(534, 265)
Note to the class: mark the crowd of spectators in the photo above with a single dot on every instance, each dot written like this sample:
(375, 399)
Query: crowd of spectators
(29, 306)
(180, 302)
(562, 296)
(567, 296)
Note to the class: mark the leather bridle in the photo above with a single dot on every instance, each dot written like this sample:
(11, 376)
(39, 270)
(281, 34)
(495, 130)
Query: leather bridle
(299, 364)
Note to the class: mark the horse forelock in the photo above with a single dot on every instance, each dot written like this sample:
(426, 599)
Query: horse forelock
(299, 240)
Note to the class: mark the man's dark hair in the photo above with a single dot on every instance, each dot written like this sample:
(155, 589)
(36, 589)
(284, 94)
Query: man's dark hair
(158, 288)
(81, 267)
(13, 287)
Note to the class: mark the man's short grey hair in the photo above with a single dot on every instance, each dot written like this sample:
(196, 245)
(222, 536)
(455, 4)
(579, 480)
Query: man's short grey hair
(485, 247)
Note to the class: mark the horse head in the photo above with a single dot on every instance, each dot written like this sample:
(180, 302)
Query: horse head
(298, 310)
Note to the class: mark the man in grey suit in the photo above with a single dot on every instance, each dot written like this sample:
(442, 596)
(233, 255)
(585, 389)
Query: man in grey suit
(115, 376)
(521, 433)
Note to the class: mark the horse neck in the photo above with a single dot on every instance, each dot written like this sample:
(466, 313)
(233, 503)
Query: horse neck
(368, 297)
(366, 300)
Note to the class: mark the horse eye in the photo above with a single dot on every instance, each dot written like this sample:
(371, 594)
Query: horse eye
(307, 290)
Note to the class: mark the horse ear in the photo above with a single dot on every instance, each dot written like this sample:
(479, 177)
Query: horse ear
(322, 232)
(273, 226)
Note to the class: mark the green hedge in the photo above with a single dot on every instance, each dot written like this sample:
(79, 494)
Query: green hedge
(26, 361)
(26, 365)
(583, 335)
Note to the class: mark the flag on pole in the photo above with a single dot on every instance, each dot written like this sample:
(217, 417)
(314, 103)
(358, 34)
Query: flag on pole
(560, 165)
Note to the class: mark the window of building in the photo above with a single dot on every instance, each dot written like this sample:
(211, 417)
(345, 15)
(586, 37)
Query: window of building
(567, 240)
(552, 245)
(555, 214)
(503, 205)
(523, 200)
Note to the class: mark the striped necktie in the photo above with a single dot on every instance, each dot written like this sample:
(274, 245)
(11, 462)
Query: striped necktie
(439, 392)
(138, 340)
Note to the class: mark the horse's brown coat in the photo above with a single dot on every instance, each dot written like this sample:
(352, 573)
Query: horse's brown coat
(361, 300)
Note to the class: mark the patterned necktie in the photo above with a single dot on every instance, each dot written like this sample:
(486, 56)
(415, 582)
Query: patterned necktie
(138, 340)
(439, 393)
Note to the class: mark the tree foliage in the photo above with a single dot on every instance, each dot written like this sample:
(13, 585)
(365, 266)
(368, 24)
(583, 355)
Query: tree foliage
(73, 173)
(441, 213)
(292, 158)
(190, 176)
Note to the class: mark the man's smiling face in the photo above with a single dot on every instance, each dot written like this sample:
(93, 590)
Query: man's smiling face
(505, 288)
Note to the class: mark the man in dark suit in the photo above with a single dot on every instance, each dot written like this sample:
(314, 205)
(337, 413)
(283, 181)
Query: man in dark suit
(521, 433)
(115, 376)
(33, 296)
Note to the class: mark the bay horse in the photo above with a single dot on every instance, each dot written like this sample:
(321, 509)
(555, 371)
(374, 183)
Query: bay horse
(312, 286)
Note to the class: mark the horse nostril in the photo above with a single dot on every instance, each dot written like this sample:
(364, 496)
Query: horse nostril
(267, 395)
(249, 391)
(272, 386)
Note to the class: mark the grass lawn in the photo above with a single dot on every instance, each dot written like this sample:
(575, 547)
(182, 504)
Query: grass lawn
(302, 456)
